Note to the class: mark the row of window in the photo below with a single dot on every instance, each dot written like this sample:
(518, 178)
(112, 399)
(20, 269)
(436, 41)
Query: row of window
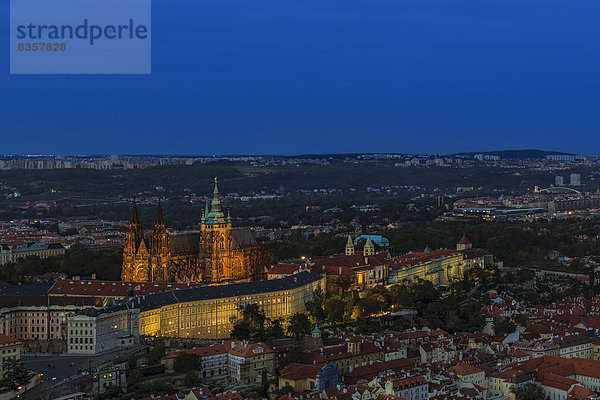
(81, 347)
(81, 340)
(78, 332)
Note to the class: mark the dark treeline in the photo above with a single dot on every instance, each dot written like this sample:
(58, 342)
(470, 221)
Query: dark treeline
(517, 244)
(524, 244)
(77, 261)
(91, 193)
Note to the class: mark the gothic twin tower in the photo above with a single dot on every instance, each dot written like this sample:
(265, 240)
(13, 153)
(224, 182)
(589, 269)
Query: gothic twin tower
(215, 253)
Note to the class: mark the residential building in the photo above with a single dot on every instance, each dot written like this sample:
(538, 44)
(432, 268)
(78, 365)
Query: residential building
(300, 377)
(469, 374)
(36, 249)
(10, 348)
(98, 331)
(249, 362)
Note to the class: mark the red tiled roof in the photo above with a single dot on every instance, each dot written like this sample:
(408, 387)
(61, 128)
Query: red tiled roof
(411, 259)
(331, 270)
(469, 254)
(580, 392)
(338, 352)
(296, 371)
(201, 351)
(464, 240)
(463, 369)
(286, 269)
(230, 395)
(409, 381)
(8, 340)
(556, 381)
(351, 261)
(202, 393)
(243, 349)
(370, 371)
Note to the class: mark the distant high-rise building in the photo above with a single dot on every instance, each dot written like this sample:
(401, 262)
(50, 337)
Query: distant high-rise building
(559, 181)
(575, 179)
(560, 157)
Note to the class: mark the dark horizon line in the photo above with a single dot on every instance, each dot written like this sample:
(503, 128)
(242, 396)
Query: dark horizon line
(292, 155)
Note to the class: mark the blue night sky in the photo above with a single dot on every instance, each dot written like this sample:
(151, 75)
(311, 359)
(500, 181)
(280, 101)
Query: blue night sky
(316, 76)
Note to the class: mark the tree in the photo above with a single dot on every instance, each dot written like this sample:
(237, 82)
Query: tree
(275, 330)
(240, 331)
(287, 390)
(368, 306)
(299, 325)
(400, 296)
(296, 355)
(345, 282)
(315, 305)
(134, 377)
(401, 324)
(530, 392)
(191, 378)
(186, 362)
(15, 374)
(334, 310)
(520, 319)
(264, 383)
(155, 354)
(111, 392)
(252, 325)
(423, 292)
(504, 326)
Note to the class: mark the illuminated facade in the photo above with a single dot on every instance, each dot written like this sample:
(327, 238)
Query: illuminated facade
(211, 311)
(216, 253)
(440, 267)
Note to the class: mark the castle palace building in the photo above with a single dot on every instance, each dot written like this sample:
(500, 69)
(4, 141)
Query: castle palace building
(216, 253)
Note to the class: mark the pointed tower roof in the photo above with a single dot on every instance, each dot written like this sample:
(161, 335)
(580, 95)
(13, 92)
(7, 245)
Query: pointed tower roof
(134, 215)
(464, 240)
(369, 242)
(316, 328)
(159, 215)
(215, 215)
(349, 242)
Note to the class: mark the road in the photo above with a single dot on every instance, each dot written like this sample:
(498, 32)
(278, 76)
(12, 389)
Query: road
(58, 369)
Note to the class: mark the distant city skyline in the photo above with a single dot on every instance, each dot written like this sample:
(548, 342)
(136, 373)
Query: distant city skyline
(183, 155)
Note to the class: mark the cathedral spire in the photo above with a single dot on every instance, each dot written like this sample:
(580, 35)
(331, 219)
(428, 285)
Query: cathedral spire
(159, 215)
(215, 206)
(134, 215)
(205, 212)
(215, 215)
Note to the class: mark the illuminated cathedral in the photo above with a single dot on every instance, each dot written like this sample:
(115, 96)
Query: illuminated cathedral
(216, 253)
